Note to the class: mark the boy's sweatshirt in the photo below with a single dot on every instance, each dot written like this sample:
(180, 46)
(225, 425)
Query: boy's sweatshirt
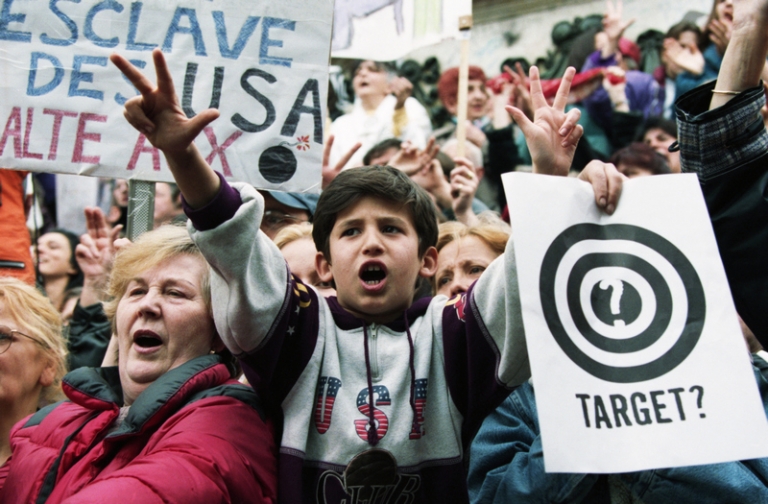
(433, 374)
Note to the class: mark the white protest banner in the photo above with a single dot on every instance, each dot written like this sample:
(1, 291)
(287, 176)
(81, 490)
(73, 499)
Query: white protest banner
(264, 65)
(636, 352)
(384, 30)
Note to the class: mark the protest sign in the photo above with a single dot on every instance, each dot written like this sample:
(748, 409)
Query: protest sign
(636, 352)
(263, 65)
(384, 30)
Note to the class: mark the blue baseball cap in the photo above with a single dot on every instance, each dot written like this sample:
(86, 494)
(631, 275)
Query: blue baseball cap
(300, 201)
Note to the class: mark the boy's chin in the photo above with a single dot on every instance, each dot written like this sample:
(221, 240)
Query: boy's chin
(375, 311)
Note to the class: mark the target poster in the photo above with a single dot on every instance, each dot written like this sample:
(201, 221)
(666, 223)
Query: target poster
(263, 65)
(636, 352)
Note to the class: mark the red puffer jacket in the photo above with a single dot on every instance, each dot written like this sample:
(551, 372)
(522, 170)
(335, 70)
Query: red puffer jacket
(192, 436)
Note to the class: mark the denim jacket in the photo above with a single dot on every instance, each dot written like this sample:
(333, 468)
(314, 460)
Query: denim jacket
(506, 465)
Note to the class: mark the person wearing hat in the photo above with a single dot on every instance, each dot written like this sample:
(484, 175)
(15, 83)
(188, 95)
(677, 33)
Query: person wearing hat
(282, 209)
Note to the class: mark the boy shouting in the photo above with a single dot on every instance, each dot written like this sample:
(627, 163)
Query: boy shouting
(379, 396)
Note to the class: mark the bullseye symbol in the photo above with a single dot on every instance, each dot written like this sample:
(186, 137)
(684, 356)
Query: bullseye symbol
(622, 302)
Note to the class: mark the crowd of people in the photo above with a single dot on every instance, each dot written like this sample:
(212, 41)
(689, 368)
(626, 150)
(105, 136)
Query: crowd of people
(366, 344)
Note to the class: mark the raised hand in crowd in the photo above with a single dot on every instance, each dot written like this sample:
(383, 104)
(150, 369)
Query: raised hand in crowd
(330, 172)
(720, 34)
(615, 84)
(158, 115)
(686, 57)
(720, 25)
(522, 95)
(402, 89)
(463, 182)
(411, 160)
(613, 27)
(553, 134)
(95, 254)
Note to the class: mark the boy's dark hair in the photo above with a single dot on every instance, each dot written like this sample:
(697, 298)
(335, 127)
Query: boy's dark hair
(380, 148)
(379, 182)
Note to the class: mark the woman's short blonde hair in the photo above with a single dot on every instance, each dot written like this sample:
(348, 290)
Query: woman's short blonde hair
(292, 233)
(36, 317)
(491, 230)
(149, 250)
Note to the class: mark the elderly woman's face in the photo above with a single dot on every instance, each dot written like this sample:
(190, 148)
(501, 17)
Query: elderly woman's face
(24, 367)
(162, 322)
(460, 263)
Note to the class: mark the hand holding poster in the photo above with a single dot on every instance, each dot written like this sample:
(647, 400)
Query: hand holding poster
(637, 356)
(262, 65)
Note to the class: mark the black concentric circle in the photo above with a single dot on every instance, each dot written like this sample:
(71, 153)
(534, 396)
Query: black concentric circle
(694, 321)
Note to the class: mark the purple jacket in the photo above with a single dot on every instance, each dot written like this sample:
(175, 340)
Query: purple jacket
(644, 94)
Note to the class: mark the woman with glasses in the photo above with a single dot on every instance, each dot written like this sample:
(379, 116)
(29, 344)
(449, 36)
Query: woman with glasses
(32, 358)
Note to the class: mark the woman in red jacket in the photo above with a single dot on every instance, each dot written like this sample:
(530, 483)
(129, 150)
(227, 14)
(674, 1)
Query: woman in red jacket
(169, 423)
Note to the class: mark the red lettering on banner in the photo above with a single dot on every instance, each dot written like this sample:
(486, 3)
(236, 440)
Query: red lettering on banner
(57, 116)
(140, 149)
(82, 136)
(220, 150)
(27, 129)
(12, 129)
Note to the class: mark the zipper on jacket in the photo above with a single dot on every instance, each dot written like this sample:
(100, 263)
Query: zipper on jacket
(372, 347)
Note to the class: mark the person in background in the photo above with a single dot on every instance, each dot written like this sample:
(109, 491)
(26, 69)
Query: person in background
(465, 252)
(295, 242)
(89, 330)
(627, 96)
(15, 257)
(638, 160)
(118, 211)
(71, 298)
(282, 209)
(168, 206)
(56, 265)
(383, 109)
(689, 59)
(660, 134)
(32, 358)
(493, 133)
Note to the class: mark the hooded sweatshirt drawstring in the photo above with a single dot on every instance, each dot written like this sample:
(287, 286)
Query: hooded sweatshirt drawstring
(373, 435)
(415, 422)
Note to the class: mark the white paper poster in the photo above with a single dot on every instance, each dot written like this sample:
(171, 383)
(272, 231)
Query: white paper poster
(384, 30)
(636, 352)
(264, 65)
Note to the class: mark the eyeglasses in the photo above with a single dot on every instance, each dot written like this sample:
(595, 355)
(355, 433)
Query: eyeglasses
(275, 220)
(6, 338)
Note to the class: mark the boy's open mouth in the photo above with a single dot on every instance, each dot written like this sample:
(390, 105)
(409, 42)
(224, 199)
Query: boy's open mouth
(373, 274)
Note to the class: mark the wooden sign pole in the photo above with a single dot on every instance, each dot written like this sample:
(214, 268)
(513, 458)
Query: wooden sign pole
(465, 27)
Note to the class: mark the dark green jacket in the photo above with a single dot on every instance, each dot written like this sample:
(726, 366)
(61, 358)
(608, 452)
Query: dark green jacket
(88, 338)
